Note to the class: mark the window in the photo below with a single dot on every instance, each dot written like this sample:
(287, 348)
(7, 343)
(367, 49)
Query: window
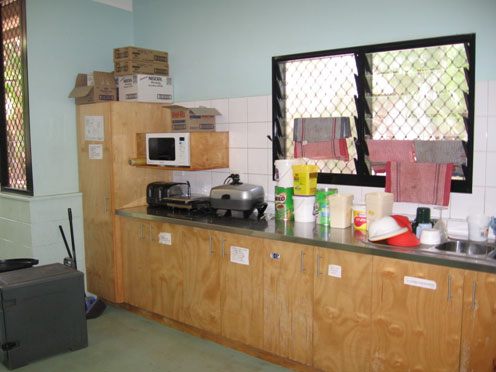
(15, 155)
(418, 93)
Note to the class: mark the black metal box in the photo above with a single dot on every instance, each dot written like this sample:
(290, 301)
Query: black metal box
(42, 313)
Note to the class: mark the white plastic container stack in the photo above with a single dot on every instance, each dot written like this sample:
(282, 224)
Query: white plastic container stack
(340, 208)
(378, 204)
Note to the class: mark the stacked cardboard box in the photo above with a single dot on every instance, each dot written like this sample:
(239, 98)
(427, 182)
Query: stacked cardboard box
(96, 87)
(132, 60)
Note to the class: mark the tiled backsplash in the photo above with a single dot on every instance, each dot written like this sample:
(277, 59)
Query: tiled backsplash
(248, 120)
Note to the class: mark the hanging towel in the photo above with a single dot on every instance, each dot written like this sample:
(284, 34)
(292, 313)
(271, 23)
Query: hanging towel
(442, 152)
(335, 149)
(321, 129)
(425, 183)
(382, 151)
(391, 150)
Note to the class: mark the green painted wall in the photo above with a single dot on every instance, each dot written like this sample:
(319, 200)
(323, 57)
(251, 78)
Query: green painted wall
(223, 48)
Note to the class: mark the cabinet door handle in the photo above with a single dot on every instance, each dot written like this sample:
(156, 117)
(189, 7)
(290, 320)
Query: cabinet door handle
(210, 250)
(302, 266)
(151, 233)
(105, 207)
(474, 288)
(449, 288)
(318, 266)
(223, 252)
(141, 236)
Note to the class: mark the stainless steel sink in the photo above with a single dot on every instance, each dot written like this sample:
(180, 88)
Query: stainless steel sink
(465, 247)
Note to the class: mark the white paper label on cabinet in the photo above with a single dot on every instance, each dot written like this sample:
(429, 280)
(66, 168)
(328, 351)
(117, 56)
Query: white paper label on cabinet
(165, 238)
(418, 282)
(240, 255)
(93, 128)
(95, 151)
(335, 271)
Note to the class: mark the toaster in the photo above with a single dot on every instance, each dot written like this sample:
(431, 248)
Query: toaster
(158, 192)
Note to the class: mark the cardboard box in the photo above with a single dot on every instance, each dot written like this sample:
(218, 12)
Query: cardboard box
(96, 87)
(140, 54)
(138, 67)
(146, 88)
(192, 119)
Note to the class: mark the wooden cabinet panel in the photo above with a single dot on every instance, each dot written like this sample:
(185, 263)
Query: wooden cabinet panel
(241, 288)
(95, 182)
(137, 278)
(288, 300)
(201, 307)
(416, 316)
(166, 268)
(342, 311)
(478, 351)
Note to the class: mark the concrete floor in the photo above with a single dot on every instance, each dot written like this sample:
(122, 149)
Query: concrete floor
(123, 341)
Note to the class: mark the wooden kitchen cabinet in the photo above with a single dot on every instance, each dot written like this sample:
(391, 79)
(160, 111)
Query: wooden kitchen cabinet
(478, 349)
(106, 141)
(136, 258)
(201, 298)
(417, 313)
(288, 300)
(241, 287)
(342, 311)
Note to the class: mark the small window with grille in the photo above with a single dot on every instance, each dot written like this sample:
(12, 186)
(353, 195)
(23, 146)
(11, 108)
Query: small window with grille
(349, 111)
(15, 155)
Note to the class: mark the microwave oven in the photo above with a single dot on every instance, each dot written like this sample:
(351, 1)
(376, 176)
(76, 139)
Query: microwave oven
(168, 149)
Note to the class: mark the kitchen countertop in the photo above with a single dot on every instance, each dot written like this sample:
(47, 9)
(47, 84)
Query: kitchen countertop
(310, 234)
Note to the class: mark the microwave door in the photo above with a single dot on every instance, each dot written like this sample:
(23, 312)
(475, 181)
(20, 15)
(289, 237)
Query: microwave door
(162, 149)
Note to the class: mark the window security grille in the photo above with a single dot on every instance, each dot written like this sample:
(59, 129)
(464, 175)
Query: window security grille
(420, 90)
(16, 172)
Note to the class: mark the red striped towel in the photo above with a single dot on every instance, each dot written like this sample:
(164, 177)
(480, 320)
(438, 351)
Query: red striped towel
(426, 183)
(335, 149)
(391, 150)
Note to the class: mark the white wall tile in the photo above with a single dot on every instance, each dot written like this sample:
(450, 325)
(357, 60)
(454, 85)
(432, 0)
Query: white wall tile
(259, 179)
(218, 177)
(257, 109)
(480, 133)
(238, 162)
(238, 135)
(257, 161)
(238, 110)
(464, 204)
(222, 105)
(479, 175)
(481, 96)
(269, 108)
(491, 133)
(490, 167)
(490, 203)
(221, 127)
(257, 135)
(491, 99)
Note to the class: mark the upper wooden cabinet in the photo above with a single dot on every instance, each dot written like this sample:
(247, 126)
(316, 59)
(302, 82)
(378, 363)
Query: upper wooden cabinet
(417, 316)
(106, 137)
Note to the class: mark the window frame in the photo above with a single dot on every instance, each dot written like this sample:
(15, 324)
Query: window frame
(4, 161)
(361, 178)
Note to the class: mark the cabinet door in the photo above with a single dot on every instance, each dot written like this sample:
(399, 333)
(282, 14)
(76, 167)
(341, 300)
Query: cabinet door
(137, 278)
(95, 177)
(479, 323)
(201, 279)
(166, 269)
(417, 311)
(242, 288)
(342, 311)
(288, 300)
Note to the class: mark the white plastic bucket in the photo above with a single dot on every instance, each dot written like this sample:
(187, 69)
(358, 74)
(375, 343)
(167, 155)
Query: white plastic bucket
(304, 207)
(478, 227)
(378, 204)
(284, 171)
